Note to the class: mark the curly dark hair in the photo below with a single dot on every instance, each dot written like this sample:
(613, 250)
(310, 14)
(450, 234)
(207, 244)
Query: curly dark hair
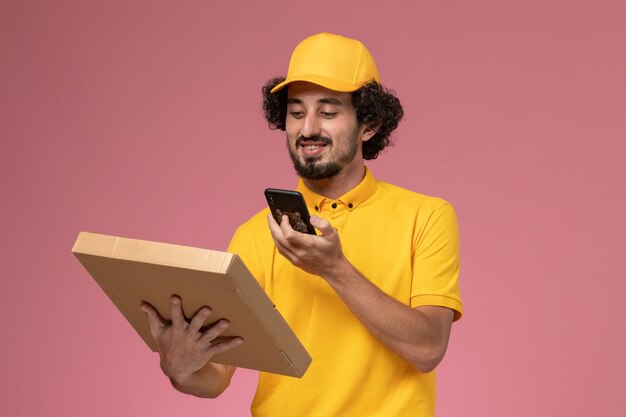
(375, 106)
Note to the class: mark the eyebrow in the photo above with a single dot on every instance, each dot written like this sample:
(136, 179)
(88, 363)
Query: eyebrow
(320, 101)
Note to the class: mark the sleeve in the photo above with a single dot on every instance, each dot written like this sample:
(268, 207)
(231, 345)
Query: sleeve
(436, 262)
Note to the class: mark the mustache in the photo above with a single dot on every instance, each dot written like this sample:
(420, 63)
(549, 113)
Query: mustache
(317, 138)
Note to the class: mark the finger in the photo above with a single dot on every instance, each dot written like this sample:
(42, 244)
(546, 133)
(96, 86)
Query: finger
(271, 220)
(290, 235)
(277, 233)
(282, 245)
(198, 319)
(176, 311)
(214, 331)
(285, 226)
(274, 227)
(224, 346)
(284, 223)
(154, 320)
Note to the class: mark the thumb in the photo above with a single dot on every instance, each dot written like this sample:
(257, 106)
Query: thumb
(154, 321)
(322, 225)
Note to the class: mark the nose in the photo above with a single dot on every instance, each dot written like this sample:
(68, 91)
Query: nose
(310, 126)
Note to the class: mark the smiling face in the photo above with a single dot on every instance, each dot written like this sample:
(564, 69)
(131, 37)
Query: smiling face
(323, 135)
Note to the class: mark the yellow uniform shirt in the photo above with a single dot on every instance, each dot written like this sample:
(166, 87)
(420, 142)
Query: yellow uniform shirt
(406, 244)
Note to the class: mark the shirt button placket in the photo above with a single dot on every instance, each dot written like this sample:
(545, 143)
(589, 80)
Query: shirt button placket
(338, 214)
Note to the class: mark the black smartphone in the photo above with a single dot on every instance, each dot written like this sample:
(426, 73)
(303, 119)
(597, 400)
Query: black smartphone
(291, 204)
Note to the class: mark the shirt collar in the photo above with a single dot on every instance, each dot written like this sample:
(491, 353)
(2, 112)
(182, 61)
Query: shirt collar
(352, 199)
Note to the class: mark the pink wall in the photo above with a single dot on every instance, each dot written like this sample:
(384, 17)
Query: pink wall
(141, 118)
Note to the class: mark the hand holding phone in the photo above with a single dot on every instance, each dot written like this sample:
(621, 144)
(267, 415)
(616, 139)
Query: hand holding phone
(291, 204)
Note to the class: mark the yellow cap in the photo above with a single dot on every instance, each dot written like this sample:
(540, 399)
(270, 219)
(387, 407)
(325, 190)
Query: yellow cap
(332, 61)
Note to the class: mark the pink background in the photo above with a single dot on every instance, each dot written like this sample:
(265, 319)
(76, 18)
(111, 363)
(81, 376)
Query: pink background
(142, 118)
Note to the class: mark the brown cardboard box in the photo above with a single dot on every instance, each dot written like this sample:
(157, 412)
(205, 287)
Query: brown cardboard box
(130, 271)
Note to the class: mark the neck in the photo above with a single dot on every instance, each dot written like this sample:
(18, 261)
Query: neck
(335, 187)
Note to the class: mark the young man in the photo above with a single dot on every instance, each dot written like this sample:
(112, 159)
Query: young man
(374, 295)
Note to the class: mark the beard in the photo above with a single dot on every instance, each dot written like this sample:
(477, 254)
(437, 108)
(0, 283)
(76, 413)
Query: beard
(311, 169)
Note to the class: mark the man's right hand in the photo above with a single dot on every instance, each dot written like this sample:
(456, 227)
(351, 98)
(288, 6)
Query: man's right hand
(184, 347)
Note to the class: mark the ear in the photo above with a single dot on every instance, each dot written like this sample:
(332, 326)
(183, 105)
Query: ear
(369, 131)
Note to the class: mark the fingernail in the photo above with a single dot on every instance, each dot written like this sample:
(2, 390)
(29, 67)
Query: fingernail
(314, 219)
(175, 300)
